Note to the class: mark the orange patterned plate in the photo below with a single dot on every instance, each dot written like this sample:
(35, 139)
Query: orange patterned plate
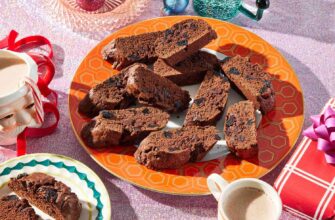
(277, 132)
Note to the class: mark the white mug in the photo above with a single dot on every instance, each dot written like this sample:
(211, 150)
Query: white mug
(20, 98)
(221, 190)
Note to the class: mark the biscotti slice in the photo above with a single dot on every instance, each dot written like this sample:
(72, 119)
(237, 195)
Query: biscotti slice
(251, 80)
(11, 207)
(124, 51)
(126, 126)
(240, 129)
(189, 71)
(173, 148)
(152, 89)
(210, 100)
(49, 195)
(183, 39)
(108, 95)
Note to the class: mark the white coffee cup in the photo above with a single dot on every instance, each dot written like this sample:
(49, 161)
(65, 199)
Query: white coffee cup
(221, 190)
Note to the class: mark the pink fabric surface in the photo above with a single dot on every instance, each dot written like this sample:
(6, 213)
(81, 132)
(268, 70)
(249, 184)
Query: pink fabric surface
(304, 32)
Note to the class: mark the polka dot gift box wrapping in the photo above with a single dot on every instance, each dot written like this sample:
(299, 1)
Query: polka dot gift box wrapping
(306, 185)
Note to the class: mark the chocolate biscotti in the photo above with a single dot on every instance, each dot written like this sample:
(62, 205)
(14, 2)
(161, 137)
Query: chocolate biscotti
(152, 89)
(170, 149)
(12, 207)
(124, 51)
(183, 39)
(189, 71)
(251, 80)
(49, 195)
(108, 95)
(126, 126)
(208, 104)
(240, 129)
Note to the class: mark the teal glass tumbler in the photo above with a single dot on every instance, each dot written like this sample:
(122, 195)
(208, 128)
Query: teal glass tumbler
(228, 9)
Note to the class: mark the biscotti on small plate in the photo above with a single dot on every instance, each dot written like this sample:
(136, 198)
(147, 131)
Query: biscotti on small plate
(251, 80)
(240, 129)
(14, 208)
(183, 39)
(209, 103)
(49, 195)
(189, 71)
(170, 149)
(125, 126)
(125, 51)
(152, 89)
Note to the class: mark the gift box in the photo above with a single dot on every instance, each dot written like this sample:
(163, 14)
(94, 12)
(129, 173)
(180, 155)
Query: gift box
(306, 184)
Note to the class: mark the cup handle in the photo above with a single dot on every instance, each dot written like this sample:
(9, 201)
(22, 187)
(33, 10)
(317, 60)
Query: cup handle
(216, 185)
(261, 6)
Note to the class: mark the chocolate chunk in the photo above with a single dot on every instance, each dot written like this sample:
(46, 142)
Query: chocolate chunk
(167, 134)
(21, 175)
(51, 195)
(10, 198)
(166, 93)
(250, 122)
(177, 104)
(168, 32)
(217, 137)
(193, 26)
(230, 121)
(107, 114)
(145, 111)
(182, 42)
(234, 71)
(241, 138)
(199, 101)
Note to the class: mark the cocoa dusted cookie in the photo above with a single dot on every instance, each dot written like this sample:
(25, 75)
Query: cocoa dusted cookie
(189, 71)
(125, 51)
(12, 207)
(49, 195)
(170, 149)
(183, 39)
(251, 80)
(108, 95)
(240, 129)
(210, 100)
(152, 89)
(126, 126)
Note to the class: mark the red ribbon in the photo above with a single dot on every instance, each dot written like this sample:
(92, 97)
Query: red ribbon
(44, 79)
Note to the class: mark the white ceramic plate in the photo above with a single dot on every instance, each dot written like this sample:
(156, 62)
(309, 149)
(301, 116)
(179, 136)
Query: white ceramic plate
(81, 179)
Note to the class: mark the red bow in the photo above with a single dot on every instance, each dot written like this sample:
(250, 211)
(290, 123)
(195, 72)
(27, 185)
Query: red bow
(45, 63)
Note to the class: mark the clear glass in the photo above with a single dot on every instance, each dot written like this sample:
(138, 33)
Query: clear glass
(96, 24)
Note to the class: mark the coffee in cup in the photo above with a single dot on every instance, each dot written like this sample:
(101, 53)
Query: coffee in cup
(245, 199)
(248, 203)
(20, 98)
